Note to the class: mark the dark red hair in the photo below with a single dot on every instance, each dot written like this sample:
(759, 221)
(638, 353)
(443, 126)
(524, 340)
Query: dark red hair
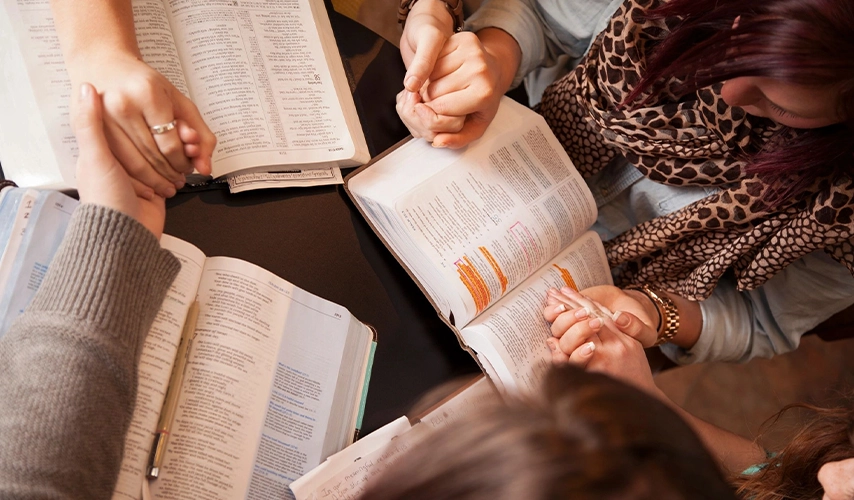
(807, 42)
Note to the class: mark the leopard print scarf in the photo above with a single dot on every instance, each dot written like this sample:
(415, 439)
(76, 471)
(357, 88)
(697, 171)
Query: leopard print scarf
(693, 141)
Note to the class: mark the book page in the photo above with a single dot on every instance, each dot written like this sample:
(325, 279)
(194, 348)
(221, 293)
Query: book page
(257, 386)
(42, 236)
(298, 426)
(344, 475)
(35, 74)
(259, 75)
(512, 334)
(16, 209)
(489, 222)
(155, 366)
(483, 218)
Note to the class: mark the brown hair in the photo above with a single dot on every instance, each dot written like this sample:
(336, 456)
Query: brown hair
(583, 436)
(793, 473)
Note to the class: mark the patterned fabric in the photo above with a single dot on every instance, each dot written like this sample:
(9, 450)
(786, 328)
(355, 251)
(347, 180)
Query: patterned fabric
(693, 140)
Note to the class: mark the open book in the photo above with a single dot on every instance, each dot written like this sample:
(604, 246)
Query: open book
(266, 76)
(485, 231)
(344, 476)
(275, 379)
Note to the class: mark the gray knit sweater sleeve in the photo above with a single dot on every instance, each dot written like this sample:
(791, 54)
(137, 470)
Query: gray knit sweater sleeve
(68, 363)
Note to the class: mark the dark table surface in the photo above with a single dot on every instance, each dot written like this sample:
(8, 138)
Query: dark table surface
(316, 239)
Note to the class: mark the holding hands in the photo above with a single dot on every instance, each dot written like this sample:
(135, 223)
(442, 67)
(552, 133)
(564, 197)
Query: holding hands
(454, 81)
(102, 179)
(155, 131)
(610, 344)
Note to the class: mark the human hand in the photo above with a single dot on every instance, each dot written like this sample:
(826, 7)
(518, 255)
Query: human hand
(610, 298)
(461, 96)
(101, 179)
(837, 480)
(135, 98)
(599, 344)
(428, 26)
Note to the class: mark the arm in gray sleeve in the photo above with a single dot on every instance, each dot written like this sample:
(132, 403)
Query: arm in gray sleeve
(547, 31)
(68, 363)
(738, 326)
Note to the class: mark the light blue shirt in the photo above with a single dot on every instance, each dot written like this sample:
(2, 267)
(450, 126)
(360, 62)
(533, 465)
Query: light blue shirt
(737, 325)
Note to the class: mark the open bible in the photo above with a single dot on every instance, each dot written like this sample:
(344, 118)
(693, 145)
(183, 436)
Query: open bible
(275, 381)
(345, 475)
(485, 231)
(274, 378)
(266, 76)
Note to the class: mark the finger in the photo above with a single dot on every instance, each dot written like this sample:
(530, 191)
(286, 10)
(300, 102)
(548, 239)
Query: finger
(558, 356)
(89, 122)
(582, 356)
(135, 164)
(427, 49)
(170, 145)
(632, 326)
(142, 190)
(566, 320)
(186, 133)
(580, 333)
(186, 111)
(405, 107)
(556, 295)
(471, 131)
(438, 123)
(192, 150)
(469, 100)
(125, 115)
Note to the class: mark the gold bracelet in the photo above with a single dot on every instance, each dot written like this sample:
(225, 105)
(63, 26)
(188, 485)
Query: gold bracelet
(667, 312)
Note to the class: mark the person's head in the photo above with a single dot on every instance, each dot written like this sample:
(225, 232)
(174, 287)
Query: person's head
(818, 461)
(583, 436)
(788, 60)
(791, 61)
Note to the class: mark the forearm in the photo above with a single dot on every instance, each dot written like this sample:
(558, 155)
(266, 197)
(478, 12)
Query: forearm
(68, 363)
(733, 452)
(88, 28)
(690, 317)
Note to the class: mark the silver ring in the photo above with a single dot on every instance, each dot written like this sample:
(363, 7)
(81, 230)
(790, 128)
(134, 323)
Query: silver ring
(162, 129)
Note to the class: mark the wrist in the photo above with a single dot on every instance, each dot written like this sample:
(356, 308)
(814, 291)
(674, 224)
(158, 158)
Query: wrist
(505, 53)
(439, 11)
(86, 66)
(651, 312)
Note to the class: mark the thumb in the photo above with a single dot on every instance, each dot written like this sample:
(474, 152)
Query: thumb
(89, 122)
(632, 326)
(427, 50)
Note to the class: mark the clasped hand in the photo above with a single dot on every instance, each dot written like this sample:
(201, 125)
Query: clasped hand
(452, 84)
(135, 99)
(598, 342)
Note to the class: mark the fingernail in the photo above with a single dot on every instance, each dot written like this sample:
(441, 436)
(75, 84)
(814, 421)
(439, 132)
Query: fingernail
(179, 184)
(85, 91)
(568, 291)
(582, 313)
(411, 83)
(560, 308)
(621, 319)
(438, 145)
(551, 343)
(595, 323)
(588, 348)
